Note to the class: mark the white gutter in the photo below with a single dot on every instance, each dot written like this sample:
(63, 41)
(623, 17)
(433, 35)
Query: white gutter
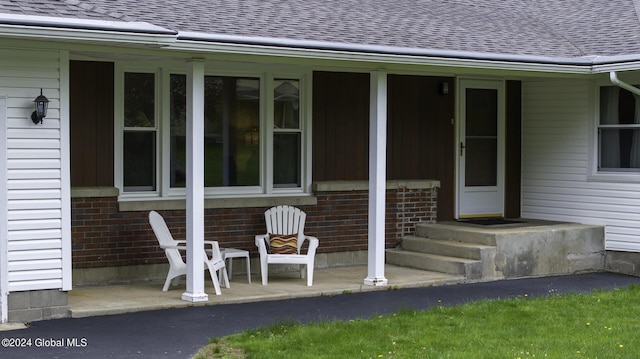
(268, 46)
(146, 34)
(67, 29)
(248, 45)
(614, 79)
(603, 64)
(616, 66)
(374, 49)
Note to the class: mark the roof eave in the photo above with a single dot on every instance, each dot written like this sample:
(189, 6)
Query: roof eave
(149, 35)
(202, 42)
(607, 64)
(85, 30)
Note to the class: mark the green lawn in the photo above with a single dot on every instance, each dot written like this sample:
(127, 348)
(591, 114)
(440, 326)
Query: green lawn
(605, 324)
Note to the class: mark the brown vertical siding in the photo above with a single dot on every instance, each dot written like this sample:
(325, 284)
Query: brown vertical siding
(420, 130)
(421, 134)
(91, 123)
(340, 126)
(513, 149)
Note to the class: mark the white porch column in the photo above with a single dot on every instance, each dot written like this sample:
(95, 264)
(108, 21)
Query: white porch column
(195, 182)
(377, 177)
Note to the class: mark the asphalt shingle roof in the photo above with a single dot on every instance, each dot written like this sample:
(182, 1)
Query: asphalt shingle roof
(551, 28)
(75, 9)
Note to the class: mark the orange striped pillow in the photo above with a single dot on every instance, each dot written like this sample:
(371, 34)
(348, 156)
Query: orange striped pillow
(283, 244)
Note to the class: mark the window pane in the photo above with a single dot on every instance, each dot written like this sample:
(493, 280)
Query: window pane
(139, 100)
(619, 135)
(481, 162)
(481, 137)
(231, 136)
(617, 106)
(178, 116)
(286, 160)
(232, 131)
(620, 149)
(286, 95)
(482, 111)
(139, 161)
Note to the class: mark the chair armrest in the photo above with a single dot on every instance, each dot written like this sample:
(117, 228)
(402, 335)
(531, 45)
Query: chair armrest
(261, 243)
(211, 243)
(215, 249)
(313, 244)
(184, 242)
(174, 247)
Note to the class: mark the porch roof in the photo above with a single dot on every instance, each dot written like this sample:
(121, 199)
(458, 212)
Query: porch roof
(582, 33)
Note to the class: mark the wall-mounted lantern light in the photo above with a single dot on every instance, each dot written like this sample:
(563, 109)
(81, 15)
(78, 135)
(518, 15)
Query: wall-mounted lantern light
(444, 88)
(41, 104)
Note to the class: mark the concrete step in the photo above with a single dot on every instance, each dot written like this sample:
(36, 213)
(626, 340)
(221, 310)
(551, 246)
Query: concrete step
(474, 235)
(529, 248)
(470, 268)
(445, 247)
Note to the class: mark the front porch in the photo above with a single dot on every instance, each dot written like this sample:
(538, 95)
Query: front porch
(527, 249)
(133, 297)
(530, 248)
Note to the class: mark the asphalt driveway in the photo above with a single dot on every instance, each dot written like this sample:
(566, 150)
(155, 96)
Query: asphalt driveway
(180, 333)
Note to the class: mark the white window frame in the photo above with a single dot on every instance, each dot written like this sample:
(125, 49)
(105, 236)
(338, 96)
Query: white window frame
(266, 78)
(120, 130)
(608, 175)
(304, 130)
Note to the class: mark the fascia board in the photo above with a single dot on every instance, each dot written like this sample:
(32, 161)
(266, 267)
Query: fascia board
(200, 42)
(606, 64)
(626, 66)
(80, 30)
(149, 35)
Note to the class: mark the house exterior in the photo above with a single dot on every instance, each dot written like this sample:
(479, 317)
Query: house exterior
(369, 116)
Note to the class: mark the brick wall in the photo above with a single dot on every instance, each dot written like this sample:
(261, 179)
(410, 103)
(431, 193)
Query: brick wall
(414, 206)
(102, 236)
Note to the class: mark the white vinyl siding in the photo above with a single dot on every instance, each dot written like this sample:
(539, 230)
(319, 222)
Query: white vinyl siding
(37, 197)
(4, 281)
(556, 120)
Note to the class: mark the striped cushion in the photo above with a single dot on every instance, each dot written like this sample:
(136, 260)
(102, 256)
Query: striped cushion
(283, 243)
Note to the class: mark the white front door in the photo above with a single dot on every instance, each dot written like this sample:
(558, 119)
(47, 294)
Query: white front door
(480, 190)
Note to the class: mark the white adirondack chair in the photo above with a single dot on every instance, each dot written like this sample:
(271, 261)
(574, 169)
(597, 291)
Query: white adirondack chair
(286, 220)
(177, 266)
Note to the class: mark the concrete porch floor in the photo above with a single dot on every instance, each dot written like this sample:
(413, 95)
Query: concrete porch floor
(87, 301)
(125, 298)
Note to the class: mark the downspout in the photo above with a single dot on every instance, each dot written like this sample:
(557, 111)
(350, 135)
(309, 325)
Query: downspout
(614, 79)
(636, 92)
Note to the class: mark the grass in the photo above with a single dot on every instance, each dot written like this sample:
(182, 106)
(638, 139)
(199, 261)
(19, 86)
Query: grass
(604, 324)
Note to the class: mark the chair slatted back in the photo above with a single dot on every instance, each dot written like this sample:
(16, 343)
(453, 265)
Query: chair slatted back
(285, 220)
(164, 237)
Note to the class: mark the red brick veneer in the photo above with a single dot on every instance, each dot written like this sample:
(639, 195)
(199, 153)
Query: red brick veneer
(102, 236)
